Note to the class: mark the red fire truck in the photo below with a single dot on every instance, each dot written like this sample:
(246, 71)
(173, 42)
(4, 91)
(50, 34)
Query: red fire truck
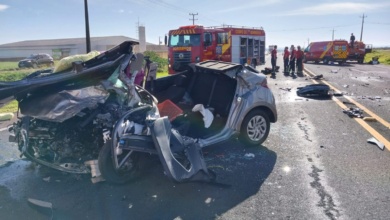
(195, 43)
(327, 51)
(358, 51)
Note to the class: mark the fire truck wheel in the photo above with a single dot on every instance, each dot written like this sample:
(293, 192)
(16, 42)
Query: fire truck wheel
(326, 61)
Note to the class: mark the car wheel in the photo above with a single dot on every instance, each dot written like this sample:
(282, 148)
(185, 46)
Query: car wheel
(126, 173)
(255, 128)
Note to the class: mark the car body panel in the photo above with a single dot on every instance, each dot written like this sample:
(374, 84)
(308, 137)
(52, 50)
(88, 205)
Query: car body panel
(44, 81)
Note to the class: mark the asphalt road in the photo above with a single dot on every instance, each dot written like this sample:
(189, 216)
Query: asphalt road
(316, 164)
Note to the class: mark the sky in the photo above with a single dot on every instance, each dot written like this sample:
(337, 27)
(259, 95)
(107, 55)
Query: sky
(285, 22)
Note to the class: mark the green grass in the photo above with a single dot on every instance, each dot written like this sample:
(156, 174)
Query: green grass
(10, 107)
(384, 56)
(162, 74)
(8, 65)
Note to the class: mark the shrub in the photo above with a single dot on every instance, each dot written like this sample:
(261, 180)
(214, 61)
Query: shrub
(162, 62)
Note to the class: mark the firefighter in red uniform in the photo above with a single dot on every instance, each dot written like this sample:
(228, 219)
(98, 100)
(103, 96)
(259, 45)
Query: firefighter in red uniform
(299, 56)
(286, 56)
(273, 59)
(292, 59)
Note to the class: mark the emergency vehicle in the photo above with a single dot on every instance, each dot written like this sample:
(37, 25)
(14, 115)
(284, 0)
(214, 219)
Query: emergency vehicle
(327, 51)
(359, 51)
(195, 43)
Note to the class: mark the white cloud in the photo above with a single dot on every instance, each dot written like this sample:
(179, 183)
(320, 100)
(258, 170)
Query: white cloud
(338, 8)
(3, 7)
(248, 5)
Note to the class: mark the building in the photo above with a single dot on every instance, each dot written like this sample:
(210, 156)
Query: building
(60, 48)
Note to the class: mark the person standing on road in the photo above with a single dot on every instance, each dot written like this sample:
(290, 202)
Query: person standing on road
(352, 39)
(292, 59)
(286, 56)
(273, 59)
(299, 56)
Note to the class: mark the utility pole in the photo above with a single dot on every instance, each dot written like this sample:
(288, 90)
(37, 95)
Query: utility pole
(333, 34)
(193, 18)
(361, 32)
(87, 37)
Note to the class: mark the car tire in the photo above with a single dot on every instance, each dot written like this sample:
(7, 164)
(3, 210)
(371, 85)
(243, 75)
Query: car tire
(255, 128)
(108, 171)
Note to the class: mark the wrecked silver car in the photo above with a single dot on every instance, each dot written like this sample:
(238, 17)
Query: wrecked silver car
(95, 111)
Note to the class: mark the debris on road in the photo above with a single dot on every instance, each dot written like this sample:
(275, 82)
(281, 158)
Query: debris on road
(314, 90)
(334, 71)
(375, 141)
(338, 94)
(317, 76)
(42, 206)
(47, 179)
(369, 119)
(95, 172)
(346, 86)
(349, 103)
(40, 203)
(286, 89)
(354, 112)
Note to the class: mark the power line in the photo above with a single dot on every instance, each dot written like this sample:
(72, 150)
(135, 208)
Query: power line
(193, 18)
(382, 23)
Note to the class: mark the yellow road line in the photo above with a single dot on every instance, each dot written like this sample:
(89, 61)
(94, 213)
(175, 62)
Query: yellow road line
(364, 124)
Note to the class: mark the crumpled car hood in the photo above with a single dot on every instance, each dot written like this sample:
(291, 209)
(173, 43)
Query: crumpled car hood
(93, 71)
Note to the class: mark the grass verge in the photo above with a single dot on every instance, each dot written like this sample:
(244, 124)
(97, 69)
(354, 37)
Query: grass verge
(384, 56)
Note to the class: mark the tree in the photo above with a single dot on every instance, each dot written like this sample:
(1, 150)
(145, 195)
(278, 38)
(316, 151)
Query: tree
(162, 62)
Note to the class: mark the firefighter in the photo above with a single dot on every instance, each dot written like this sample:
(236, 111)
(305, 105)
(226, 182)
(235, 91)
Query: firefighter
(286, 56)
(273, 59)
(299, 57)
(352, 39)
(292, 59)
